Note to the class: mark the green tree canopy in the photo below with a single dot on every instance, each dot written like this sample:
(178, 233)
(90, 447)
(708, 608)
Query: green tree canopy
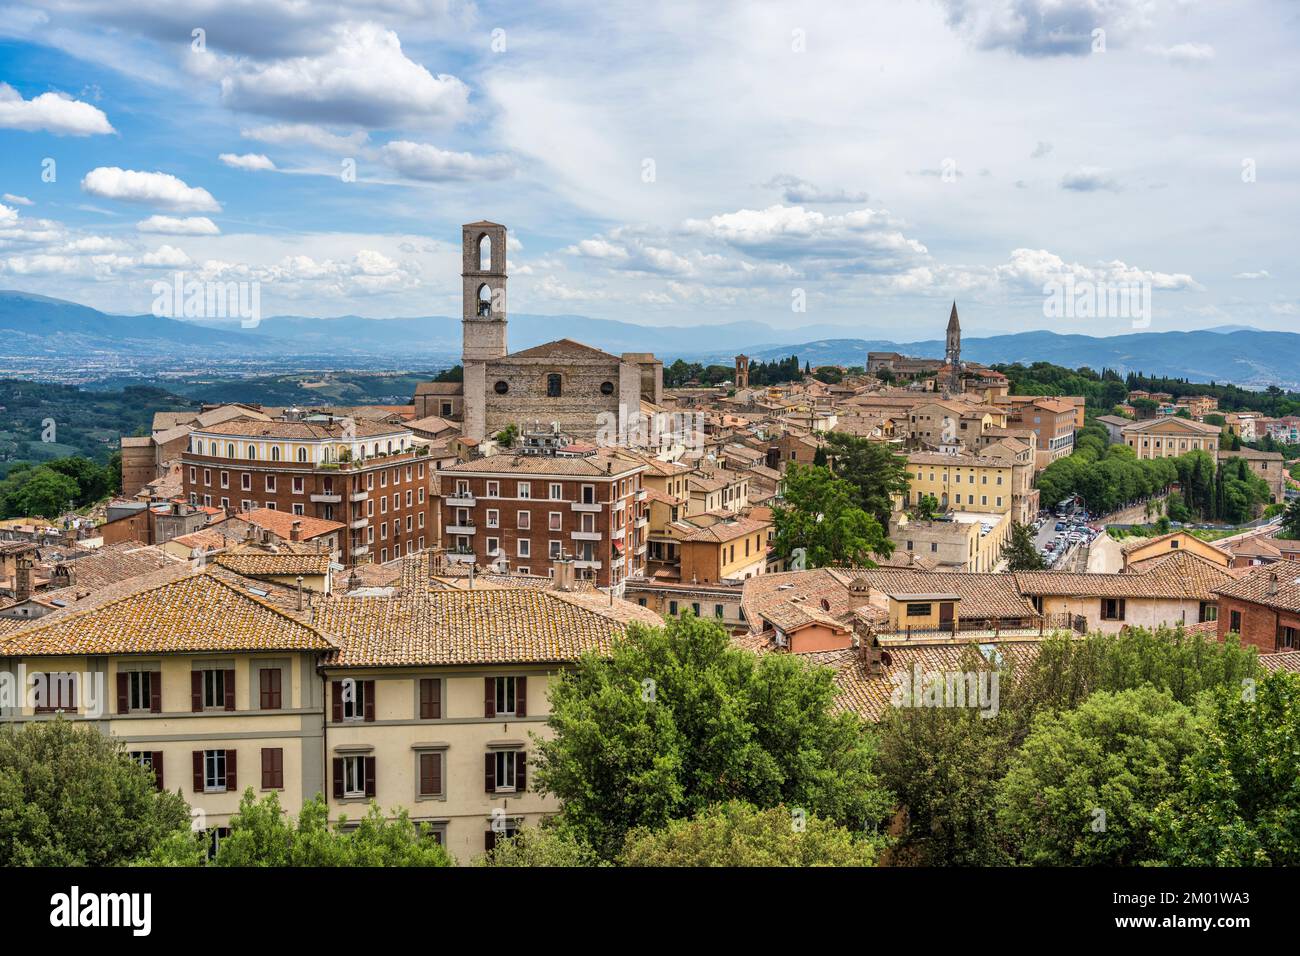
(739, 834)
(1021, 552)
(676, 719)
(817, 513)
(70, 796)
(876, 473)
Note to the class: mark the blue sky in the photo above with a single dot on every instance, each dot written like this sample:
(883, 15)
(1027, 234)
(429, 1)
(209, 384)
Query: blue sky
(667, 164)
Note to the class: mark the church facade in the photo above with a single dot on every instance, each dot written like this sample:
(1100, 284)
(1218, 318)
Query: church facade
(562, 383)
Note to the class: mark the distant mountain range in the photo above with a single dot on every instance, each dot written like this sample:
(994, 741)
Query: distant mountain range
(33, 325)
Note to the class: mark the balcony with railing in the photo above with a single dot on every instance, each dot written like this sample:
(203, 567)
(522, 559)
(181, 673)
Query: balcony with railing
(461, 499)
(462, 527)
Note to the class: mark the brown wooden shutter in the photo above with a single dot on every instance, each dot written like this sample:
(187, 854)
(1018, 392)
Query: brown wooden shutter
(267, 766)
(123, 705)
(1121, 608)
(336, 690)
(430, 774)
(489, 697)
(269, 689)
(430, 698)
(369, 693)
(157, 762)
(230, 690)
(155, 692)
(196, 690)
(489, 840)
(272, 768)
(490, 772)
(521, 771)
(338, 776)
(370, 776)
(521, 696)
(198, 771)
(232, 777)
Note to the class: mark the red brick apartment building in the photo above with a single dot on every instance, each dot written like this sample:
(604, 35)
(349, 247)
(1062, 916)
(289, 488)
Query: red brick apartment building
(371, 476)
(535, 507)
(1263, 607)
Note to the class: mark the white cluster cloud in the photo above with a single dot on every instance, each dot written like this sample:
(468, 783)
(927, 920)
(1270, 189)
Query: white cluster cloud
(249, 161)
(306, 134)
(162, 190)
(51, 112)
(363, 80)
(175, 226)
(1031, 269)
(1087, 179)
(17, 200)
(431, 164)
(1038, 28)
(1184, 54)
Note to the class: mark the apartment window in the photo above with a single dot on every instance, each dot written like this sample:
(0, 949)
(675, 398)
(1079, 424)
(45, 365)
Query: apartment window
(150, 760)
(672, 608)
(523, 520)
(353, 700)
(505, 696)
(273, 768)
(493, 490)
(492, 545)
(194, 473)
(524, 548)
(1234, 621)
(212, 689)
(918, 610)
(214, 771)
(268, 692)
(588, 494)
(298, 486)
(717, 611)
(420, 496)
(1112, 609)
(55, 691)
(354, 777)
(207, 476)
(296, 509)
(430, 698)
(225, 479)
(430, 766)
(245, 482)
(1287, 639)
(1209, 611)
(555, 549)
(493, 518)
(143, 692)
(505, 771)
(270, 482)
(555, 521)
(525, 489)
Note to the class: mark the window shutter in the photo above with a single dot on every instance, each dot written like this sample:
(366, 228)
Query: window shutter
(155, 692)
(336, 690)
(489, 697)
(430, 774)
(370, 776)
(122, 702)
(369, 693)
(521, 770)
(196, 690)
(430, 698)
(158, 769)
(1121, 608)
(338, 775)
(489, 840)
(268, 768)
(489, 772)
(198, 771)
(232, 783)
(230, 690)
(521, 696)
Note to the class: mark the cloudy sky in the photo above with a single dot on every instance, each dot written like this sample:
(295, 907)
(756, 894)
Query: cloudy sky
(666, 163)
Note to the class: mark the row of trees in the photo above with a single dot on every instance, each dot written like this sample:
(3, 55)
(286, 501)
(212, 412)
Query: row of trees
(677, 749)
(47, 490)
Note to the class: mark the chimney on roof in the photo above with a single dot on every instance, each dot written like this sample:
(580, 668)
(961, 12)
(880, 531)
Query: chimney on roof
(565, 575)
(23, 578)
(471, 575)
(1272, 584)
(300, 592)
(295, 531)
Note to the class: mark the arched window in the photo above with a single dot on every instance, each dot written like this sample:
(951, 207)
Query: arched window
(484, 300)
(230, 450)
(252, 452)
(275, 452)
(390, 448)
(302, 454)
(485, 253)
(198, 446)
(553, 385)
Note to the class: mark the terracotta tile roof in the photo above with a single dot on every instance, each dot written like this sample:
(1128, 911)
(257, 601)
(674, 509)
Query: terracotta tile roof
(1273, 585)
(983, 596)
(280, 523)
(306, 431)
(257, 564)
(563, 348)
(1178, 575)
(482, 626)
(196, 614)
(588, 466)
(1283, 661)
(725, 531)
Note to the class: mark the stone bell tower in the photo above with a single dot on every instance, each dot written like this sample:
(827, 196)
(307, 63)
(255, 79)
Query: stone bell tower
(483, 291)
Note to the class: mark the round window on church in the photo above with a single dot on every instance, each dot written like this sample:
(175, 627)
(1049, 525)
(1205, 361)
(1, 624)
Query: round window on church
(500, 388)
(607, 388)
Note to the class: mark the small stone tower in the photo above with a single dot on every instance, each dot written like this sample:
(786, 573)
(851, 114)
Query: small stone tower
(483, 291)
(742, 371)
(952, 356)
